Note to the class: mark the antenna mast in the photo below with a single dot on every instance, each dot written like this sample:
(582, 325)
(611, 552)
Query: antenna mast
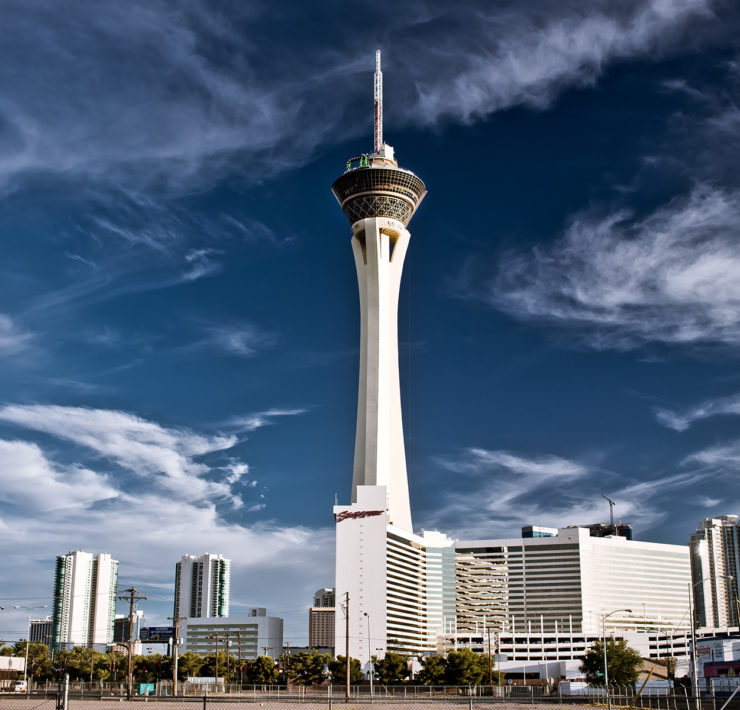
(378, 104)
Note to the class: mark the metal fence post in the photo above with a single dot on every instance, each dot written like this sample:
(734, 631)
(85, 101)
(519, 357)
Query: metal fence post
(470, 701)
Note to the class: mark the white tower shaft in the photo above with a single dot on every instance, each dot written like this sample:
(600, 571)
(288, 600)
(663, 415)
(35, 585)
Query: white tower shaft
(379, 246)
(378, 104)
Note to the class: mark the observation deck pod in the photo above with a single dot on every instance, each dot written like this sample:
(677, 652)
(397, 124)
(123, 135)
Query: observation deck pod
(374, 186)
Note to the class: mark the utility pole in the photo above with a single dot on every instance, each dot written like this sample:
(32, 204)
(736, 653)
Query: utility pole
(346, 621)
(176, 650)
(228, 656)
(287, 664)
(131, 597)
(239, 642)
(215, 636)
(490, 662)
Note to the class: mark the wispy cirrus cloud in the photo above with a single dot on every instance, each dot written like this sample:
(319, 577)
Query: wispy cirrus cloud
(513, 490)
(617, 281)
(241, 339)
(13, 340)
(174, 97)
(252, 422)
(724, 457)
(479, 461)
(682, 420)
(528, 54)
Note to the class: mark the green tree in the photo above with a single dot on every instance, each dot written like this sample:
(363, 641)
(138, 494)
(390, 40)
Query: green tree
(393, 668)
(465, 668)
(306, 668)
(623, 663)
(39, 659)
(152, 668)
(261, 670)
(433, 670)
(60, 664)
(338, 668)
(189, 665)
(77, 664)
(226, 665)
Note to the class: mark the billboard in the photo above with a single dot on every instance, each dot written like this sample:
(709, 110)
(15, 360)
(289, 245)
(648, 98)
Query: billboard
(157, 634)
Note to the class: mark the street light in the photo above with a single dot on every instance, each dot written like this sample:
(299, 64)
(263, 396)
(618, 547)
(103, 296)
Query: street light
(370, 654)
(603, 637)
(28, 638)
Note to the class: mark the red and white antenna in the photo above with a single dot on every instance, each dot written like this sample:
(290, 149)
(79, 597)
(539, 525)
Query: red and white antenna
(378, 104)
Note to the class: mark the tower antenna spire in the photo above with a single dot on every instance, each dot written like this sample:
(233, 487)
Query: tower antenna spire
(378, 104)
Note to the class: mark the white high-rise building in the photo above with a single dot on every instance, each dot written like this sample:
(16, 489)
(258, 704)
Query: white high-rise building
(85, 588)
(202, 586)
(715, 556)
(567, 582)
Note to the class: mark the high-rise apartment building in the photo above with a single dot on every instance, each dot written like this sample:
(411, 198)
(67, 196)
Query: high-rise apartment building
(202, 586)
(321, 619)
(85, 588)
(715, 556)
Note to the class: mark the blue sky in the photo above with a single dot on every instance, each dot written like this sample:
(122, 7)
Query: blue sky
(179, 319)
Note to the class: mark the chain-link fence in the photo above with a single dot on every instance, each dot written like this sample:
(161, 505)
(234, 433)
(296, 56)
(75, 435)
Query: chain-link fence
(191, 696)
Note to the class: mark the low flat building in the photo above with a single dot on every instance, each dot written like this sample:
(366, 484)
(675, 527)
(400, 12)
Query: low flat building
(245, 636)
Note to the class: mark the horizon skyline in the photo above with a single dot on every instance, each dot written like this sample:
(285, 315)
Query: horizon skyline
(178, 307)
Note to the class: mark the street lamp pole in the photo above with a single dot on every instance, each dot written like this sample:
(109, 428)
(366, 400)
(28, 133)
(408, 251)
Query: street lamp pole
(28, 638)
(603, 642)
(370, 654)
(694, 675)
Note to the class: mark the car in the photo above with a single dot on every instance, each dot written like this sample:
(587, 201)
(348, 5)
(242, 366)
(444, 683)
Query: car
(20, 686)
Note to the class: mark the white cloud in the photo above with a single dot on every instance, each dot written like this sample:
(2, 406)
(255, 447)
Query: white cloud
(47, 508)
(680, 421)
(670, 277)
(12, 340)
(164, 456)
(28, 480)
(277, 566)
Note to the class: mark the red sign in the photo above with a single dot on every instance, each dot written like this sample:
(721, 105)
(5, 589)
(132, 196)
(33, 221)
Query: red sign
(345, 514)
